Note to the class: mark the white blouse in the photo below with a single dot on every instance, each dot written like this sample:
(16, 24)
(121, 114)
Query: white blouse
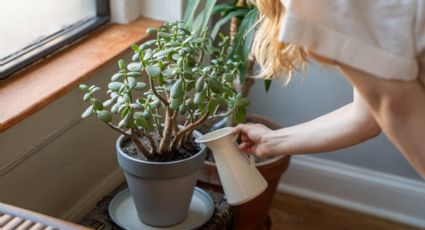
(385, 38)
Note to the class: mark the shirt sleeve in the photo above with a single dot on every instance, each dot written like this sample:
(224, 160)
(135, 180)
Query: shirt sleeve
(420, 27)
(376, 37)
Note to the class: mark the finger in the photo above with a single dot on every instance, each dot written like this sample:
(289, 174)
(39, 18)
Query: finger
(261, 151)
(245, 145)
(246, 148)
(241, 128)
(245, 138)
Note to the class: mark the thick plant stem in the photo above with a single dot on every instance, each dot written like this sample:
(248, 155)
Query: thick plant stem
(170, 116)
(154, 148)
(182, 132)
(187, 137)
(249, 81)
(139, 144)
(234, 23)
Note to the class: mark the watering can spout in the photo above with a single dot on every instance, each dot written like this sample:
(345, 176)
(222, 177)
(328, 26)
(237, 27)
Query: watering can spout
(240, 178)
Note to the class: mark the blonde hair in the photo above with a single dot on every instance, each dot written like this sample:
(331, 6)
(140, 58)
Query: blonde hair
(276, 59)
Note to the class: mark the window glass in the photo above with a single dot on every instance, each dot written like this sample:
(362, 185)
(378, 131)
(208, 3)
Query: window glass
(24, 22)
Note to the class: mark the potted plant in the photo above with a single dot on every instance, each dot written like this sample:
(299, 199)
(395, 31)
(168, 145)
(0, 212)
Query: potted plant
(156, 102)
(241, 16)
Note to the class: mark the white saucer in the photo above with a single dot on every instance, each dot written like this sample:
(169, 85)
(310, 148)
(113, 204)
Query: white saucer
(123, 212)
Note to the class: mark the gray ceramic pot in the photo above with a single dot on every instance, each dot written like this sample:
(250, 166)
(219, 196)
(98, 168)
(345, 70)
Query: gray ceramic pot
(162, 191)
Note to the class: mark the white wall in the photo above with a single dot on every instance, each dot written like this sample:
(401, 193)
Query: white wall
(318, 92)
(124, 11)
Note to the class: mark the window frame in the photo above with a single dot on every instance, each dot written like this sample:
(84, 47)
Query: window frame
(53, 42)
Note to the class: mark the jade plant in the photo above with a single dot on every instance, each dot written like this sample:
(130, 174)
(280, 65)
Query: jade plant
(173, 84)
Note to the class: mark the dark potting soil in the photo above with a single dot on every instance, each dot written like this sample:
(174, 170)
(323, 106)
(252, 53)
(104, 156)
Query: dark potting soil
(183, 152)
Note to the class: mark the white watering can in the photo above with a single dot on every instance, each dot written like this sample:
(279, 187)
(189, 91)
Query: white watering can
(240, 178)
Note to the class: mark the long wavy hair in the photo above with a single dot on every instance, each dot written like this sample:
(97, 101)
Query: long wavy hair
(276, 59)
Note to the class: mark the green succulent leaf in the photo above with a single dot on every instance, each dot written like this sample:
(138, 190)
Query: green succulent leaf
(163, 53)
(153, 71)
(147, 44)
(182, 109)
(140, 86)
(155, 104)
(244, 102)
(151, 31)
(189, 104)
(117, 76)
(164, 34)
(147, 114)
(134, 74)
(107, 103)
(175, 103)
(212, 106)
(239, 114)
(115, 108)
(135, 57)
(148, 54)
(215, 86)
(135, 47)
(86, 96)
(121, 64)
(135, 67)
(95, 89)
(98, 105)
(83, 87)
(115, 85)
(121, 124)
(136, 106)
(131, 82)
(199, 98)
(87, 112)
(145, 124)
(177, 89)
(169, 72)
(105, 116)
(128, 120)
(199, 85)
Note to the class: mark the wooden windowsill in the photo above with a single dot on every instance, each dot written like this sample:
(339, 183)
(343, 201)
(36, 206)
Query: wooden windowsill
(42, 83)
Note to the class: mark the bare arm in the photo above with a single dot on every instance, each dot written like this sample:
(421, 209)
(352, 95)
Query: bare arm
(341, 128)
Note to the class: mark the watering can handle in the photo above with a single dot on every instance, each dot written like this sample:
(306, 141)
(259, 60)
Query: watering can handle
(251, 157)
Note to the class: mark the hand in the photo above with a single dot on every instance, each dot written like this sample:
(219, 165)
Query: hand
(254, 139)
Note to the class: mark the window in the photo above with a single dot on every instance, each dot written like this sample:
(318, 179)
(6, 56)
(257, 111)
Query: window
(32, 29)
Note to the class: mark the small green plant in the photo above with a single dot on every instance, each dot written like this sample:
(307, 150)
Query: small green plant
(169, 80)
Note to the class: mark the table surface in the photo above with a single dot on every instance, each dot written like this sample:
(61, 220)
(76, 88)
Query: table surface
(98, 218)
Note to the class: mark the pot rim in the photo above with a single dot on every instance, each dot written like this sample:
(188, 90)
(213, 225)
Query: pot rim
(121, 152)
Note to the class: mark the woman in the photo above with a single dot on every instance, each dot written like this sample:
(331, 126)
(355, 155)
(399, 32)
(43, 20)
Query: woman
(379, 46)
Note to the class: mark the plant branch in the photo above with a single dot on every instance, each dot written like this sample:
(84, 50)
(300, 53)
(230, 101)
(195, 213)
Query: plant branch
(139, 144)
(222, 114)
(150, 139)
(161, 98)
(249, 81)
(118, 129)
(186, 129)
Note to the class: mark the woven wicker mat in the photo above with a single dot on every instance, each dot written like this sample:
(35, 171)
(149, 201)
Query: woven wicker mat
(99, 219)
